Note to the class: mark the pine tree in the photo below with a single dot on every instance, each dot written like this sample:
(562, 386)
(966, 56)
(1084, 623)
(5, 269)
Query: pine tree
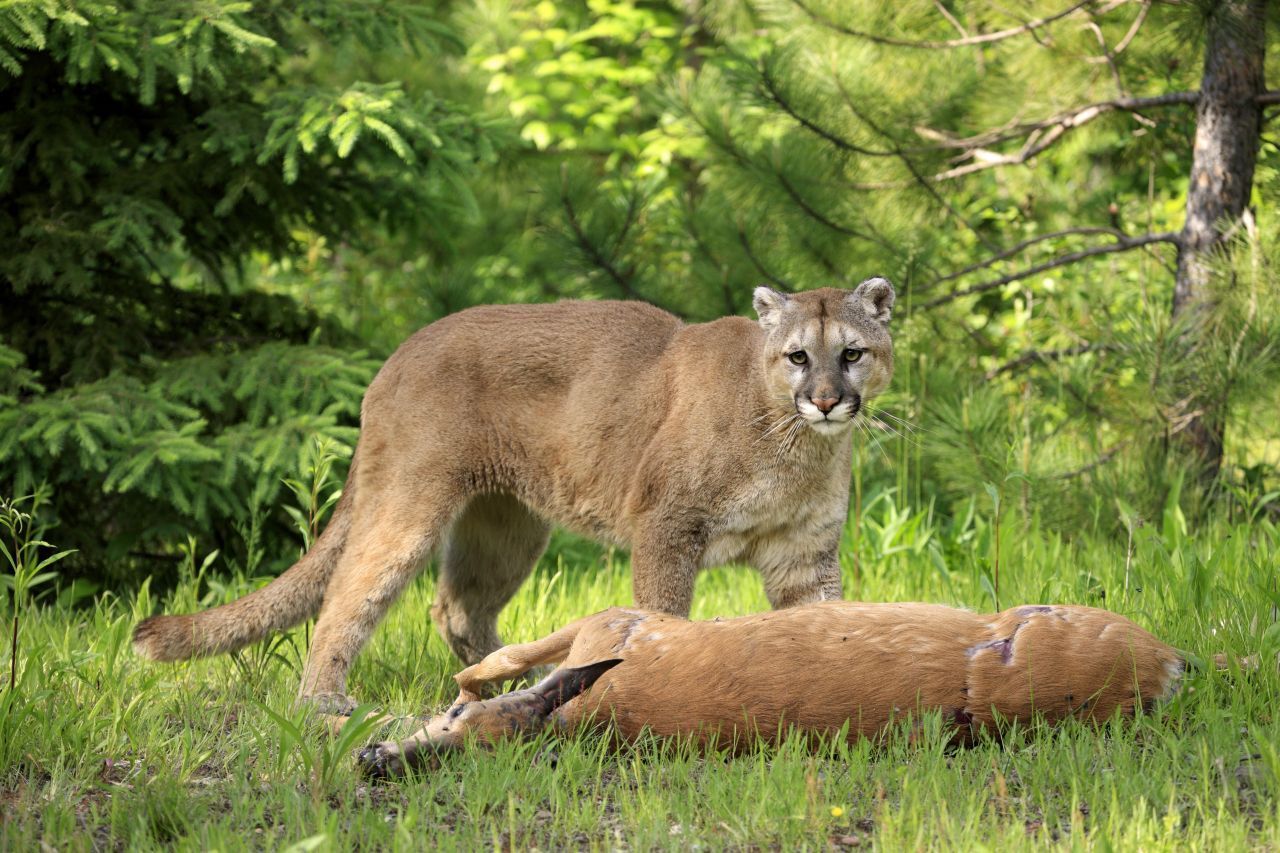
(1022, 175)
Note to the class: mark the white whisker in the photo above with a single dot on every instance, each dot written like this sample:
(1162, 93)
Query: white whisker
(872, 440)
(902, 422)
(781, 424)
(885, 427)
(788, 440)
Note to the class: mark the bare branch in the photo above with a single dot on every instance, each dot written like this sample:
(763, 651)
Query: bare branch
(1267, 99)
(1113, 5)
(976, 147)
(951, 19)
(1107, 456)
(1054, 128)
(984, 38)
(1076, 115)
(1025, 244)
(1133, 30)
(1122, 244)
(1036, 356)
(1107, 55)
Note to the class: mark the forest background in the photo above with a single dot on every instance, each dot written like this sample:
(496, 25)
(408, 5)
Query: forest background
(218, 217)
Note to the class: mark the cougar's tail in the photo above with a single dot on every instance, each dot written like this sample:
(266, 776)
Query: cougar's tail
(283, 603)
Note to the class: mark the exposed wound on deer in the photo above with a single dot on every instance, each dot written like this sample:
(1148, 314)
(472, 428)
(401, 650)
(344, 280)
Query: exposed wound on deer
(1004, 646)
(628, 628)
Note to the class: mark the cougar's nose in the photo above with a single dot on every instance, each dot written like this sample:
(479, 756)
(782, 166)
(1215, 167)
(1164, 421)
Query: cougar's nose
(825, 404)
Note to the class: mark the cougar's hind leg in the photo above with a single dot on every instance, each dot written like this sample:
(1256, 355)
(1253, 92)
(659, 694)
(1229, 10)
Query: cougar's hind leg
(490, 550)
(391, 537)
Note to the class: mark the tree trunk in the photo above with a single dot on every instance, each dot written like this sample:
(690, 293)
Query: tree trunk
(1228, 126)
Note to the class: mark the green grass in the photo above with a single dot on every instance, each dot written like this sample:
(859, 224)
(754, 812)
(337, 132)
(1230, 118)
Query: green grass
(102, 750)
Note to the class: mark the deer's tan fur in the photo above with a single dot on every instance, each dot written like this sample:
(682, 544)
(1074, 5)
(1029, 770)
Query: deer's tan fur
(692, 445)
(816, 668)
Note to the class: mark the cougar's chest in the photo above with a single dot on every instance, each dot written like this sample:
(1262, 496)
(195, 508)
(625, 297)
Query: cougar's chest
(782, 506)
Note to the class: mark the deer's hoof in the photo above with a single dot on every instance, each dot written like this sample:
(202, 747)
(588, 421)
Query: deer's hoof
(381, 761)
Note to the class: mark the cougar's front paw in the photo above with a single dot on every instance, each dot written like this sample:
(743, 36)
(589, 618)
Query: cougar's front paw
(381, 761)
(331, 704)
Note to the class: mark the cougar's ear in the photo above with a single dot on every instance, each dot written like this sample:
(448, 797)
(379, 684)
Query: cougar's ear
(569, 682)
(769, 304)
(875, 296)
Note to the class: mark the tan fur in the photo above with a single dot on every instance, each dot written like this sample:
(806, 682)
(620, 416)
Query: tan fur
(693, 445)
(816, 668)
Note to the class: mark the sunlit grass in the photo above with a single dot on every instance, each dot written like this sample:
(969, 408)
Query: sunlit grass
(101, 749)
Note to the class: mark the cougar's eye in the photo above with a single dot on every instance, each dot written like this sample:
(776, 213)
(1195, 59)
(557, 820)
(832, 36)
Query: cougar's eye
(798, 357)
(851, 355)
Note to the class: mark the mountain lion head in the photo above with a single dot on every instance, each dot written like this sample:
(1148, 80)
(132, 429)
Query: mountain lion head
(827, 351)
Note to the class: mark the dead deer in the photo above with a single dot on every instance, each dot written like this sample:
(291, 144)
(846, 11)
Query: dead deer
(821, 669)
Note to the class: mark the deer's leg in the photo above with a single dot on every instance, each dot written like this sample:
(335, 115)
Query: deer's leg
(515, 660)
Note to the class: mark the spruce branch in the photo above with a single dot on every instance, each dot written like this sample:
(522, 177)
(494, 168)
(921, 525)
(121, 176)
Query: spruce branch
(725, 143)
(813, 213)
(823, 261)
(1122, 244)
(966, 41)
(701, 245)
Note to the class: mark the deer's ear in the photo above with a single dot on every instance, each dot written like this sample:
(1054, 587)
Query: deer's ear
(569, 682)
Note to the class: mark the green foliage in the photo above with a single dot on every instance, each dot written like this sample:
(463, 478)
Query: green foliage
(97, 743)
(20, 546)
(212, 210)
(25, 569)
(219, 216)
(150, 156)
(819, 142)
(574, 75)
(199, 439)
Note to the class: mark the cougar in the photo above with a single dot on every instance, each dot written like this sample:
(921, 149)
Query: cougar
(693, 445)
